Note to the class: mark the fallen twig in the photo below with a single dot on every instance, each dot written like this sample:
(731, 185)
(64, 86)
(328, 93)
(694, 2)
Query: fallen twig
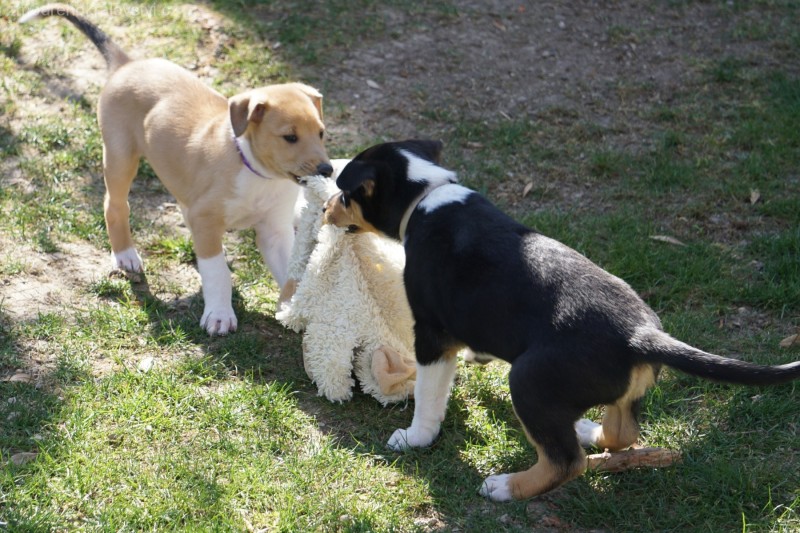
(632, 458)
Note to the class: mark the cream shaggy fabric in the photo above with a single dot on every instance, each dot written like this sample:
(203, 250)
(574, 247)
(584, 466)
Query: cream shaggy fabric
(351, 305)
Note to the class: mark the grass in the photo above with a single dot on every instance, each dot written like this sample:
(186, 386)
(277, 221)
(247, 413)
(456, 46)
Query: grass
(229, 434)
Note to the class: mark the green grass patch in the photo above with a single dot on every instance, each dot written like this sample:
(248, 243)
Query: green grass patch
(229, 433)
(127, 448)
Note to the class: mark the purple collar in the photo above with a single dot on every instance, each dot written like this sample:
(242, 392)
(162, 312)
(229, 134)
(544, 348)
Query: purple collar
(245, 161)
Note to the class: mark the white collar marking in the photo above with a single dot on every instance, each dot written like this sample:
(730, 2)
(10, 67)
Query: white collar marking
(433, 198)
(448, 194)
(422, 171)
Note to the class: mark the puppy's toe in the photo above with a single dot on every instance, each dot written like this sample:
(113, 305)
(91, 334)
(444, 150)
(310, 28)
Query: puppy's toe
(399, 440)
(127, 260)
(219, 322)
(403, 439)
(588, 432)
(497, 488)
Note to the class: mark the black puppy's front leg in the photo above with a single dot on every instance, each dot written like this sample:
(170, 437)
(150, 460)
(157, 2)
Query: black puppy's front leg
(436, 367)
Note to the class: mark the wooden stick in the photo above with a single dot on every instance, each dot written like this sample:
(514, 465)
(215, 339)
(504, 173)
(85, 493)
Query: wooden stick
(632, 458)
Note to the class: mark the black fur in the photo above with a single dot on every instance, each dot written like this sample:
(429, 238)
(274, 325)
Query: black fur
(388, 197)
(572, 332)
(477, 277)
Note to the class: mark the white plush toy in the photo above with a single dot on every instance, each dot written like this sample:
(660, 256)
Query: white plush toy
(350, 302)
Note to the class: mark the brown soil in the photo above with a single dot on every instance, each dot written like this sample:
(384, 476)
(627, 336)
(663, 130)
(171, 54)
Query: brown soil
(602, 62)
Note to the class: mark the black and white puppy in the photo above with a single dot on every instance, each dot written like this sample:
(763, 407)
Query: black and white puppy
(575, 335)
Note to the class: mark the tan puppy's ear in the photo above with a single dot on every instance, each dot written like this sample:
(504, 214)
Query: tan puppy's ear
(244, 110)
(315, 95)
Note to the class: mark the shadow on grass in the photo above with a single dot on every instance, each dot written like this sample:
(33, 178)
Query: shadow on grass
(263, 351)
(27, 410)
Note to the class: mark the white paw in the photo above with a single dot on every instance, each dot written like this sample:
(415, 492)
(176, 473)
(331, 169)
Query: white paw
(127, 260)
(497, 488)
(588, 432)
(477, 358)
(403, 439)
(219, 321)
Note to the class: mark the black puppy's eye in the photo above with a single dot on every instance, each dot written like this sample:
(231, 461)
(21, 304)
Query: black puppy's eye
(291, 139)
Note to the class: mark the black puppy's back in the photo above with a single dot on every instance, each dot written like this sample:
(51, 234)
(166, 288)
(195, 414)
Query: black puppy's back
(504, 289)
(501, 278)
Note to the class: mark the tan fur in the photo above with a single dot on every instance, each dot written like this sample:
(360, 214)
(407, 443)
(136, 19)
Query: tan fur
(545, 475)
(620, 428)
(342, 217)
(157, 110)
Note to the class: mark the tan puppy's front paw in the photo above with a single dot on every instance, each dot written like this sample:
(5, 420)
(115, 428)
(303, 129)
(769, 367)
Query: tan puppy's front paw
(127, 260)
(218, 316)
(219, 321)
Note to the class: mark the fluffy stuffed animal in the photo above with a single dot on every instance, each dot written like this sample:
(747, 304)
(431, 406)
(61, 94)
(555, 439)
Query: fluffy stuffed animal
(346, 293)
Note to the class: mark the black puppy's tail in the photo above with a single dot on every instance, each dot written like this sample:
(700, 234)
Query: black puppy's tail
(112, 53)
(657, 346)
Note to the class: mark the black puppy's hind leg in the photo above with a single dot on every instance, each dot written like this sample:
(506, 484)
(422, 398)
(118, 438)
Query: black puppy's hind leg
(620, 427)
(537, 396)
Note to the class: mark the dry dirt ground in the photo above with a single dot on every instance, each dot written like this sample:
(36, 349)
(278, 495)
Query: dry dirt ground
(596, 62)
(604, 62)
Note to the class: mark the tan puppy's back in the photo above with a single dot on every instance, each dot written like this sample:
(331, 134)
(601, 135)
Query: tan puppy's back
(164, 113)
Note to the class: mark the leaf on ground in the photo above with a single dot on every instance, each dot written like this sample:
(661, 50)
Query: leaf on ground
(791, 340)
(21, 458)
(755, 196)
(667, 239)
(146, 364)
(19, 377)
(527, 189)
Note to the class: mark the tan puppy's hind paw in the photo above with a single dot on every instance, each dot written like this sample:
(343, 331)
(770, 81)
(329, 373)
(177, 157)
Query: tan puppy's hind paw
(127, 260)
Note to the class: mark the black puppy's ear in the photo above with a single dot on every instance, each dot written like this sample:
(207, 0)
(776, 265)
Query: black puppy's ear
(357, 174)
(427, 149)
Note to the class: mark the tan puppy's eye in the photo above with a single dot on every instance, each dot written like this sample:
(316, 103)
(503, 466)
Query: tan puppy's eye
(291, 139)
(321, 134)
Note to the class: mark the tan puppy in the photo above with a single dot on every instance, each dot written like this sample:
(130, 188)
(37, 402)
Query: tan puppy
(230, 163)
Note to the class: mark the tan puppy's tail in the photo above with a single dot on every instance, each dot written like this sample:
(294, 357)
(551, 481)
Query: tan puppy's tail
(112, 53)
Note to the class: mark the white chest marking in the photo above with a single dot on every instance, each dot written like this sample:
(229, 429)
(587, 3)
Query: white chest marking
(255, 199)
(422, 170)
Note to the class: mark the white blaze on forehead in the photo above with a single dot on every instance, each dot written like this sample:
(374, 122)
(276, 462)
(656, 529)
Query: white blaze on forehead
(446, 194)
(422, 170)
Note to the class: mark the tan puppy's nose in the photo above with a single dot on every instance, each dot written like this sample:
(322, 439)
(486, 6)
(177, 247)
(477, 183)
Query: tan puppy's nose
(325, 169)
